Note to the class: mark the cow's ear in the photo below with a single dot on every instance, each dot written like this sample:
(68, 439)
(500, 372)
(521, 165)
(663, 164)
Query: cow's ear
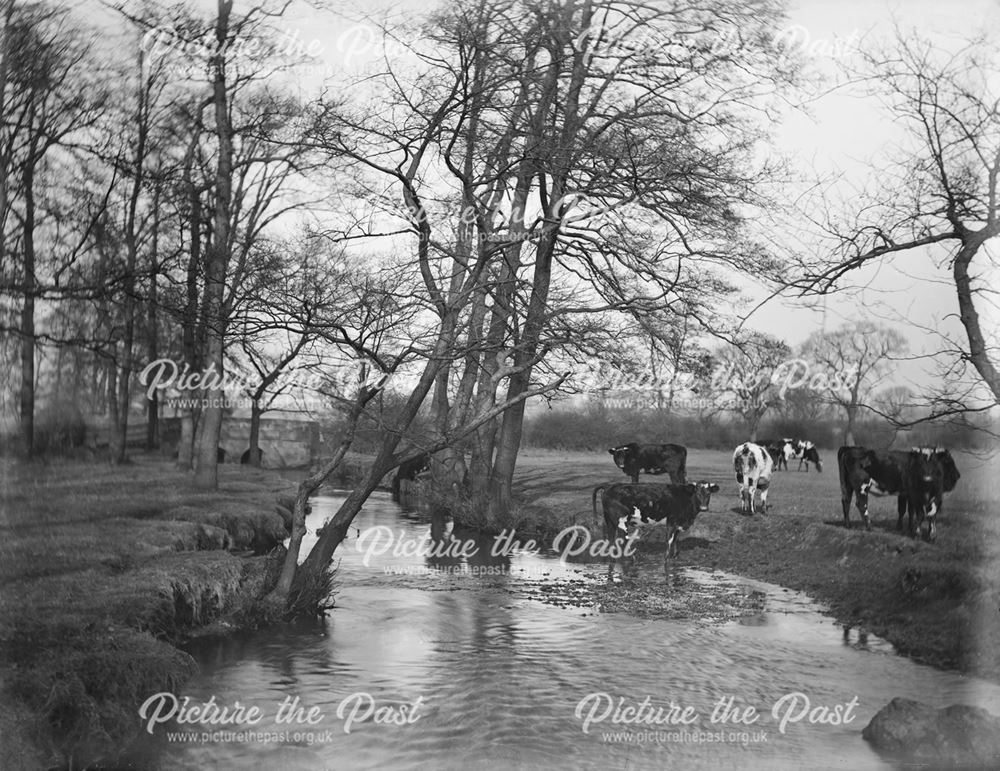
(713, 488)
(612, 450)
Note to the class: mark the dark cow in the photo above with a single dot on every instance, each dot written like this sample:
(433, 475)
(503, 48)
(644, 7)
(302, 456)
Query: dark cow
(780, 451)
(915, 478)
(949, 474)
(627, 505)
(409, 470)
(753, 466)
(653, 459)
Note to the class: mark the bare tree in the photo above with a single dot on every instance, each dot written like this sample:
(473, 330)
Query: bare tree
(852, 362)
(744, 377)
(940, 188)
(44, 102)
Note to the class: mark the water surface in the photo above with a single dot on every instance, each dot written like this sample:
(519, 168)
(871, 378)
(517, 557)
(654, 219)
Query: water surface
(490, 676)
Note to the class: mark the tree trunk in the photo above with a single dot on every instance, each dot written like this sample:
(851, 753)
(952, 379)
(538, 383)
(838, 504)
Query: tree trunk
(8, 12)
(512, 426)
(253, 459)
(849, 431)
(484, 440)
(28, 308)
(152, 328)
(978, 351)
(206, 468)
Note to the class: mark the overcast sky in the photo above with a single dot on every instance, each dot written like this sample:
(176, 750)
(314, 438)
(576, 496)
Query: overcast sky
(845, 131)
(842, 133)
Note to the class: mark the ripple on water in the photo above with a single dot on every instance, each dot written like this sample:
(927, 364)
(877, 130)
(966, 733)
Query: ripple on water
(501, 667)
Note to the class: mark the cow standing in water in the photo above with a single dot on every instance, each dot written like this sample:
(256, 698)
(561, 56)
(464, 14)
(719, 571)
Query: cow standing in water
(625, 506)
(753, 466)
(653, 459)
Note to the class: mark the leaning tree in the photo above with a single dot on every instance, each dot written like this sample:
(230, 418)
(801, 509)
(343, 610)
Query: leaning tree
(939, 188)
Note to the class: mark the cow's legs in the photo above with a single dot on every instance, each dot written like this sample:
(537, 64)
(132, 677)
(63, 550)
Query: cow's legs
(763, 500)
(930, 533)
(902, 505)
(845, 503)
(863, 501)
(752, 495)
(671, 550)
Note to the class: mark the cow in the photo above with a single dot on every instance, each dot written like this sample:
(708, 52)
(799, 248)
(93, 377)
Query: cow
(916, 478)
(409, 470)
(949, 472)
(780, 451)
(753, 466)
(625, 505)
(653, 459)
(806, 452)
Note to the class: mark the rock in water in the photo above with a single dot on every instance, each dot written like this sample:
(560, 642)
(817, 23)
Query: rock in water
(958, 736)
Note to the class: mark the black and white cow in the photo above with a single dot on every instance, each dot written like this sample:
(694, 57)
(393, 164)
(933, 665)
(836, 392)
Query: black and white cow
(806, 452)
(753, 466)
(627, 505)
(916, 478)
(653, 459)
(409, 470)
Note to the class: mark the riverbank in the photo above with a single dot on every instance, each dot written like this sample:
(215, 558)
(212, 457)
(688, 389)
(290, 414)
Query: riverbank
(103, 571)
(936, 603)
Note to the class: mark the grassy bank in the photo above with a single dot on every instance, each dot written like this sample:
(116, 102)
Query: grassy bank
(102, 570)
(935, 602)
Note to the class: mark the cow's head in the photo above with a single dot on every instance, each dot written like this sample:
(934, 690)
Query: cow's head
(924, 473)
(951, 475)
(619, 453)
(702, 493)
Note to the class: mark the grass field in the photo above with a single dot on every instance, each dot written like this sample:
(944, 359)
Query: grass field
(101, 569)
(937, 602)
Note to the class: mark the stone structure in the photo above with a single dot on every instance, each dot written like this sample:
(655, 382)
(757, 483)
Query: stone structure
(285, 443)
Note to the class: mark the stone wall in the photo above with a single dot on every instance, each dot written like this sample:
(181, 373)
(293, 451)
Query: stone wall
(285, 443)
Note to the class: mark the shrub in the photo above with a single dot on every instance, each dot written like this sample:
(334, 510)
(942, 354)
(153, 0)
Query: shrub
(59, 429)
(596, 428)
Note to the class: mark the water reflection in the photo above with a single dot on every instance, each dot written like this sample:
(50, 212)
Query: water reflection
(501, 675)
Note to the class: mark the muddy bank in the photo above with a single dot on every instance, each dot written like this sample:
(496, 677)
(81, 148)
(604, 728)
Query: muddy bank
(104, 571)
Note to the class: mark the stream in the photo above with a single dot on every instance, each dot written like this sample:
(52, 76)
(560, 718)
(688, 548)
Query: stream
(492, 662)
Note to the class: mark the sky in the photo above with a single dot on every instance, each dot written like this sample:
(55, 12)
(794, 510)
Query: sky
(842, 133)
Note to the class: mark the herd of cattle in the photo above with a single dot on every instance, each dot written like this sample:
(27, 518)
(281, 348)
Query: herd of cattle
(918, 478)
